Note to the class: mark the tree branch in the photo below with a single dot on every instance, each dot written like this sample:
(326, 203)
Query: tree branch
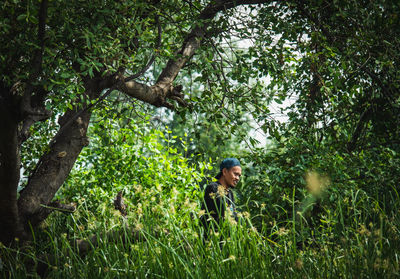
(46, 210)
(57, 206)
(163, 89)
(28, 114)
(36, 60)
(351, 145)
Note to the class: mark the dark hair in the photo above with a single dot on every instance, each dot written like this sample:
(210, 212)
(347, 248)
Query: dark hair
(227, 163)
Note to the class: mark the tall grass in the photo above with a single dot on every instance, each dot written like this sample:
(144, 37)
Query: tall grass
(353, 235)
(354, 240)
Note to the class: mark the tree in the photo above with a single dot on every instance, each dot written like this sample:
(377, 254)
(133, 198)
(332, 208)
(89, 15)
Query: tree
(61, 58)
(340, 61)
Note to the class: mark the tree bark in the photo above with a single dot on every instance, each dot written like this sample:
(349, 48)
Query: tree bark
(9, 169)
(54, 166)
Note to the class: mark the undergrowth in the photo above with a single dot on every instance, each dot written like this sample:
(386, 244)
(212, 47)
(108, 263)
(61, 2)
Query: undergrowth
(302, 230)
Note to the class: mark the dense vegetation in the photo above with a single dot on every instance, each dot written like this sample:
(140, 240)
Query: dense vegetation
(290, 224)
(319, 196)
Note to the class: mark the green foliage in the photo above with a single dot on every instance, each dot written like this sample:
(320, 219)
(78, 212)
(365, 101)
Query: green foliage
(320, 201)
(347, 242)
(84, 39)
(126, 156)
(202, 137)
(285, 228)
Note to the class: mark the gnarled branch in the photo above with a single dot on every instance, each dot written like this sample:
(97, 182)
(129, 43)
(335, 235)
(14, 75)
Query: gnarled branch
(163, 89)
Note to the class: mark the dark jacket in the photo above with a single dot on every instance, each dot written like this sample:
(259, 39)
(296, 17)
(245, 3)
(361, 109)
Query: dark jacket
(214, 204)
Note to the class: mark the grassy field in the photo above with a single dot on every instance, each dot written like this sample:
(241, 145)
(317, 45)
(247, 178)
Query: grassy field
(166, 242)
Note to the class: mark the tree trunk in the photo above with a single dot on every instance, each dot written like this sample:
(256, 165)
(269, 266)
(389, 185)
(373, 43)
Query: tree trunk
(9, 169)
(54, 167)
